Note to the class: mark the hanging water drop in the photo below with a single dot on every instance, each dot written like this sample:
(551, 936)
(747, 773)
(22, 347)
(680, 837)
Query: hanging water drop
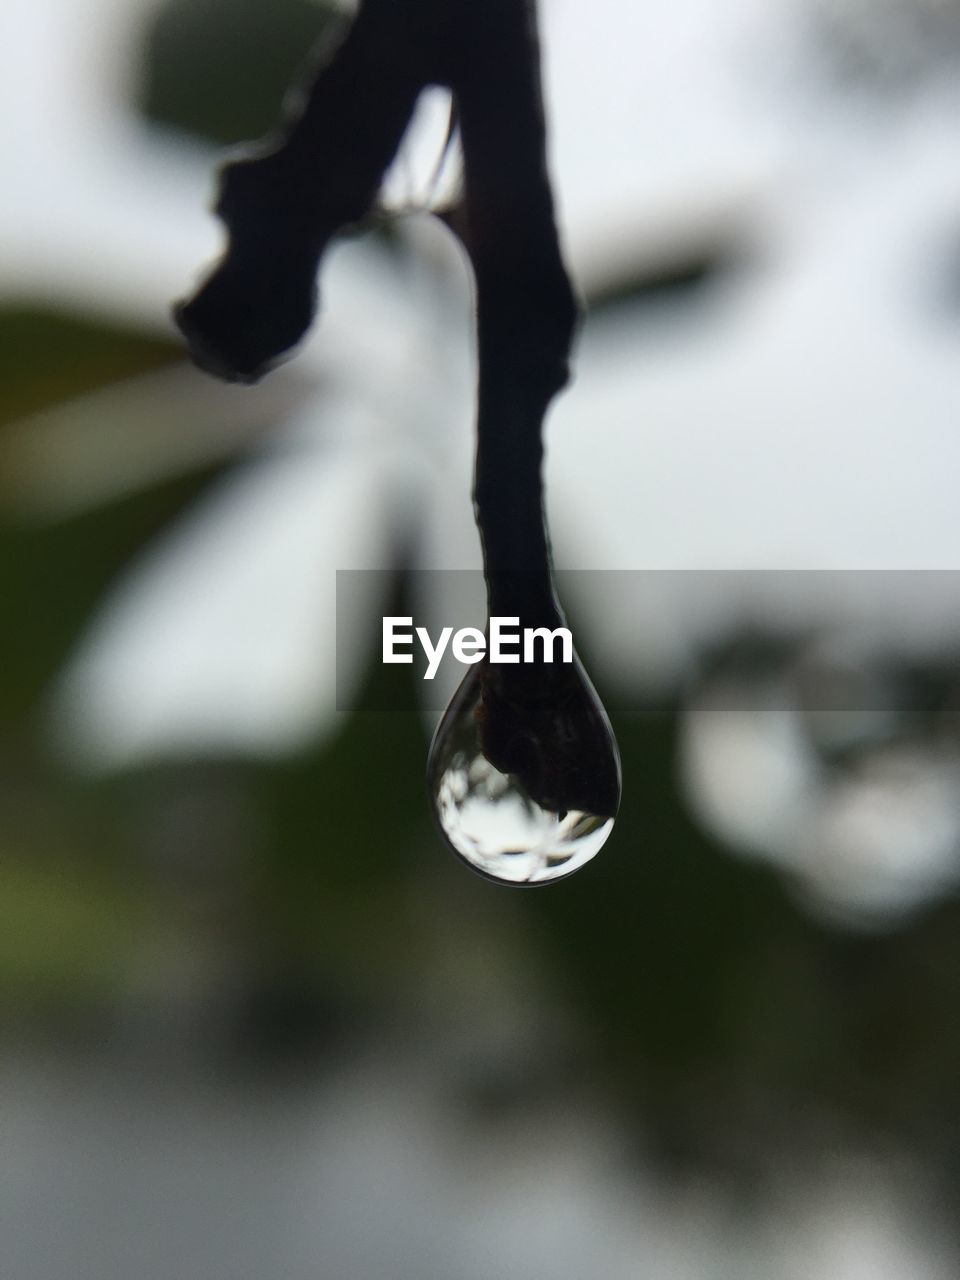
(524, 772)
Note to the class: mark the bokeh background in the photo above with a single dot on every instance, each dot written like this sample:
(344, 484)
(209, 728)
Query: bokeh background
(256, 1020)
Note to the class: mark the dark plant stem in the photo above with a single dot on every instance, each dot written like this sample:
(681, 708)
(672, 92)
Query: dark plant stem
(283, 204)
(526, 312)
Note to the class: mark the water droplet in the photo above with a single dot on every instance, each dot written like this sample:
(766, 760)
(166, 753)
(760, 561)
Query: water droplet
(524, 772)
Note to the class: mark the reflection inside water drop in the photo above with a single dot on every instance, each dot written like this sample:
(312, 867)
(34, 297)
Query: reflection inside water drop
(491, 819)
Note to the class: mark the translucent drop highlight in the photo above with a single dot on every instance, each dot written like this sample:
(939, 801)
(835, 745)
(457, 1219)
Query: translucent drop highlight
(524, 773)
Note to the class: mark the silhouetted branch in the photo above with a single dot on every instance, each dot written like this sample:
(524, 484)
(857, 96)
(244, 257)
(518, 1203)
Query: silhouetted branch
(281, 208)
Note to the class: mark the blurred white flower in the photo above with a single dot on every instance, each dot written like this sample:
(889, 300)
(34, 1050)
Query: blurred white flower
(867, 841)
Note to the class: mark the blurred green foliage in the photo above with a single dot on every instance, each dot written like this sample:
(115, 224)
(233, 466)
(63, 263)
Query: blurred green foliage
(52, 573)
(68, 932)
(51, 576)
(47, 356)
(221, 69)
